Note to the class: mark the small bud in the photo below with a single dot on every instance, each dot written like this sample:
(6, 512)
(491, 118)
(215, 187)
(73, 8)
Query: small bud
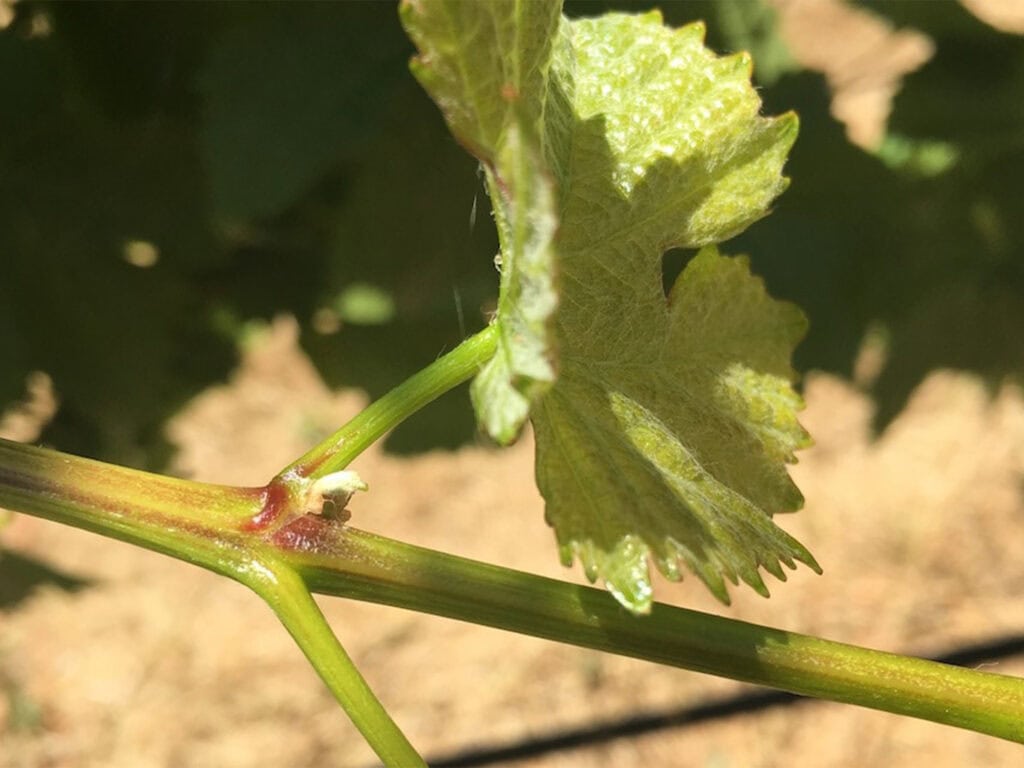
(332, 492)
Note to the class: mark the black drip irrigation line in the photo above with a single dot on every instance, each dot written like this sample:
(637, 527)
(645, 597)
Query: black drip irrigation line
(635, 725)
(740, 704)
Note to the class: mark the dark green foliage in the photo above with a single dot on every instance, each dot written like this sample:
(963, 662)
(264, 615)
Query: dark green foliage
(273, 154)
(935, 258)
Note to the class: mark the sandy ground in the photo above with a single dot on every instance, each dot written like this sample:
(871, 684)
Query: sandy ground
(156, 663)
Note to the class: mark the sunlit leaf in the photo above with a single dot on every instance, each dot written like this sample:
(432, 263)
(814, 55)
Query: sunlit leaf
(668, 428)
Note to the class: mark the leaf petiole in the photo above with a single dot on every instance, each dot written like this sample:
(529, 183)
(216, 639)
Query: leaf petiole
(383, 415)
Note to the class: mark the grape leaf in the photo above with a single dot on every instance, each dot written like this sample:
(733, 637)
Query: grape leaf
(679, 452)
(521, 370)
(487, 65)
(668, 428)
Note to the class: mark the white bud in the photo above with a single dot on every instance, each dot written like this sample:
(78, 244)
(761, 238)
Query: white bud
(329, 494)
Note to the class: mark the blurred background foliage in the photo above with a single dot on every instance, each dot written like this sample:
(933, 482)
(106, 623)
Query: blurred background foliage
(172, 174)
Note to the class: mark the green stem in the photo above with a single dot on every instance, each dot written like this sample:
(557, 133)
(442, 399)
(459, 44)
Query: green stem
(385, 414)
(368, 567)
(285, 592)
(213, 526)
(196, 522)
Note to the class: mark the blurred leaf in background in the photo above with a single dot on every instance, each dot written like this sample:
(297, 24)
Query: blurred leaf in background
(918, 240)
(960, 288)
(97, 157)
(170, 173)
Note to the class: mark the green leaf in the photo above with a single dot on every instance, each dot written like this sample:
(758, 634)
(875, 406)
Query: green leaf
(487, 66)
(483, 62)
(667, 431)
(678, 452)
(520, 370)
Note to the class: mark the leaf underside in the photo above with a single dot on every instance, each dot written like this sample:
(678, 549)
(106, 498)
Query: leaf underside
(666, 431)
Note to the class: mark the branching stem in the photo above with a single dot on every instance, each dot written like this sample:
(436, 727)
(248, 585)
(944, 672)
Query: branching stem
(211, 526)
